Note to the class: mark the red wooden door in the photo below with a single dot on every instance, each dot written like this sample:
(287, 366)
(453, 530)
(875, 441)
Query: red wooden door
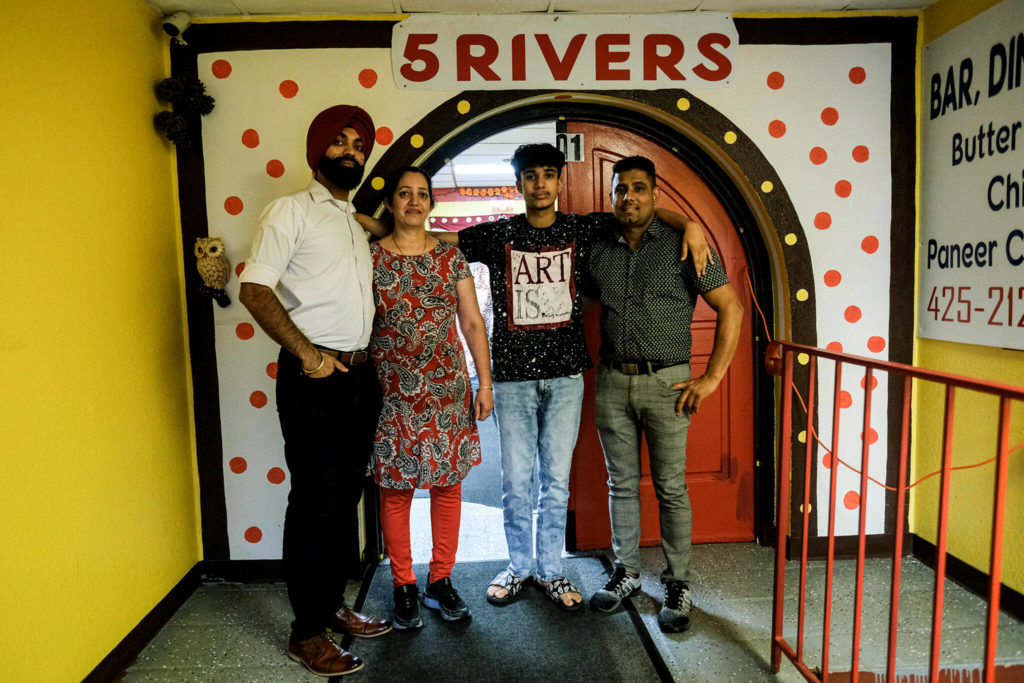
(720, 443)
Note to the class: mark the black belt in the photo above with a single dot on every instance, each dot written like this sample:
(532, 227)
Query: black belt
(640, 367)
(348, 357)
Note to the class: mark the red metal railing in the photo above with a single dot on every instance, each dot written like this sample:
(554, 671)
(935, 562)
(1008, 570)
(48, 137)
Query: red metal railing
(779, 362)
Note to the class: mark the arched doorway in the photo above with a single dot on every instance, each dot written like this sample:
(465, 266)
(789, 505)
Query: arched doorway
(757, 225)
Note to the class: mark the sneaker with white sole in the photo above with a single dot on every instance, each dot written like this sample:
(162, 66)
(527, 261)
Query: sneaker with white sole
(622, 585)
(407, 608)
(442, 596)
(674, 616)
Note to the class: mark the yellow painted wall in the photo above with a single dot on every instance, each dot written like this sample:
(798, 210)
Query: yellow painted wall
(971, 490)
(98, 513)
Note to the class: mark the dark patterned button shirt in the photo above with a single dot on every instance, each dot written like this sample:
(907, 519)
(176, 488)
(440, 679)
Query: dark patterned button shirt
(648, 295)
(535, 279)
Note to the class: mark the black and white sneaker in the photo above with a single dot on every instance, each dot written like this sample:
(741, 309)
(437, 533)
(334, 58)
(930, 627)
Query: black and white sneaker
(622, 585)
(442, 596)
(407, 607)
(674, 616)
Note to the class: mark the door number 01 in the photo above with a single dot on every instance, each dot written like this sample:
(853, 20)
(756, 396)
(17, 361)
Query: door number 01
(571, 145)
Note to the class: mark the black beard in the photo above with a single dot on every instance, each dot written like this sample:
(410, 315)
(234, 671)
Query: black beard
(345, 177)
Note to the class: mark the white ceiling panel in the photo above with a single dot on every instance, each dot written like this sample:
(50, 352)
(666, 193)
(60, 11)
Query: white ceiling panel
(322, 7)
(616, 6)
(474, 6)
(196, 8)
(774, 5)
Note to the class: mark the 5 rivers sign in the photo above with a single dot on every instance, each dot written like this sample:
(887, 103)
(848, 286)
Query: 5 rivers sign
(971, 270)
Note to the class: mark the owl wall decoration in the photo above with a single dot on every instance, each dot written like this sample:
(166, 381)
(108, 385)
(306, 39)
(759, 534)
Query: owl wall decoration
(214, 267)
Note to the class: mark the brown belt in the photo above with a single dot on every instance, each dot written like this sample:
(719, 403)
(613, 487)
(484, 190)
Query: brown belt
(348, 357)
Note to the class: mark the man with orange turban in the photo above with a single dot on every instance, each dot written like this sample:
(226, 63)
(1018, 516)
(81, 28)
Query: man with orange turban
(307, 283)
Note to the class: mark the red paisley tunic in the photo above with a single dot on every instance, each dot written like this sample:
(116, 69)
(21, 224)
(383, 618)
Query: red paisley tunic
(426, 434)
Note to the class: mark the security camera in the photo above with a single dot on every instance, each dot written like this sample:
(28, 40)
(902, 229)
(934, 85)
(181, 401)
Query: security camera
(176, 23)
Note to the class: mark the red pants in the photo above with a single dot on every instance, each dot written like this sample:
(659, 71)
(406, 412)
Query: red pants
(445, 515)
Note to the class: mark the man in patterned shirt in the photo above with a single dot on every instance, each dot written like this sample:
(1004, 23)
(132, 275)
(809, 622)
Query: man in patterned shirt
(643, 382)
(538, 355)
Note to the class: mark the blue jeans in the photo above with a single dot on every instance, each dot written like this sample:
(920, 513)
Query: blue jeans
(538, 421)
(626, 407)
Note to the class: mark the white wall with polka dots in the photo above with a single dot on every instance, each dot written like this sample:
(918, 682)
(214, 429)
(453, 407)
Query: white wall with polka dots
(818, 113)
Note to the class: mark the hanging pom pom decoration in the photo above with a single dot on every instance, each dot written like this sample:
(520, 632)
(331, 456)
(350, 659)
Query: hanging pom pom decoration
(190, 99)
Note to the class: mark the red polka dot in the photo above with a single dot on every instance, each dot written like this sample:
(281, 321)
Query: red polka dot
(822, 220)
(876, 344)
(289, 89)
(835, 346)
(844, 188)
(250, 138)
(258, 399)
(237, 465)
(253, 534)
(851, 500)
(826, 459)
(829, 116)
(833, 278)
(775, 80)
(221, 68)
(872, 436)
(239, 268)
(275, 169)
(852, 314)
(857, 75)
(845, 400)
(233, 205)
(384, 136)
(874, 382)
(245, 331)
(869, 244)
(776, 129)
(367, 78)
(275, 475)
(860, 154)
(818, 156)
(272, 370)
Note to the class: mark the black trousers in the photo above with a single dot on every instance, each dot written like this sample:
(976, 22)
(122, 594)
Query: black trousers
(328, 426)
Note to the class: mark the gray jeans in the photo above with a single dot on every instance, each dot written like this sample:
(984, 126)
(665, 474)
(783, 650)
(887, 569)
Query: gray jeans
(626, 406)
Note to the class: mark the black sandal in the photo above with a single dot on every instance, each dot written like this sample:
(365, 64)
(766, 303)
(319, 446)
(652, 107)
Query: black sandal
(511, 583)
(556, 589)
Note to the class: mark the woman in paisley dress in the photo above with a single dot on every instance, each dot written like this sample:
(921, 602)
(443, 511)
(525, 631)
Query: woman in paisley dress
(426, 436)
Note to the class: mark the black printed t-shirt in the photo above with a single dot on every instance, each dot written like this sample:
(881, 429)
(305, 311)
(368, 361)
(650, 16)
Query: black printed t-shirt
(535, 278)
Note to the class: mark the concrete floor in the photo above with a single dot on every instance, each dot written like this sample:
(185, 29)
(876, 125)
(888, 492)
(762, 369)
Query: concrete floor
(237, 632)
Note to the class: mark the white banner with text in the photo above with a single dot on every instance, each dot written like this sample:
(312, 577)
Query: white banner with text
(585, 52)
(971, 274)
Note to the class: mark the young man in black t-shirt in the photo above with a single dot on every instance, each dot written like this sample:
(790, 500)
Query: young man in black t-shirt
(538, 355)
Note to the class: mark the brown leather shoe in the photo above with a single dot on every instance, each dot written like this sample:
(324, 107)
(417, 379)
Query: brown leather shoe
(359, 625)
(324, 657)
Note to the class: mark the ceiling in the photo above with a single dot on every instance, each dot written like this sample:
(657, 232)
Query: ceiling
(244, 8)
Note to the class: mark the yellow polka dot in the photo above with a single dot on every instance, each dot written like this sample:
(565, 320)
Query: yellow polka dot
(803, 359)
(416, 141)
(463, 106)
(790, 239)
(683, 104)
(809, 508)
(802, 436)
(767, 186)
(802, 295)
(730, 137)
(377, 183)
(561, 118)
